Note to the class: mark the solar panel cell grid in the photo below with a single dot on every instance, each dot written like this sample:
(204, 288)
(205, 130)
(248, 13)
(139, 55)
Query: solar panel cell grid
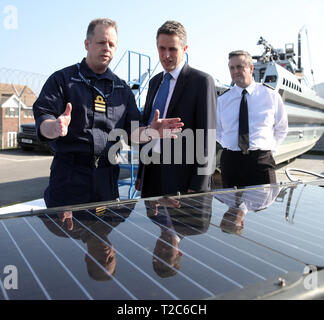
(187, 247)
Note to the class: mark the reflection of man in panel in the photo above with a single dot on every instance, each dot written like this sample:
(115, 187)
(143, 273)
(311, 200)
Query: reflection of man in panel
(241, 202)
(176, 220)
(100, 259)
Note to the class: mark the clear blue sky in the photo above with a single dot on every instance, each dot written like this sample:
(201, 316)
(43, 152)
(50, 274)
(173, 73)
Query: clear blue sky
(50, 34)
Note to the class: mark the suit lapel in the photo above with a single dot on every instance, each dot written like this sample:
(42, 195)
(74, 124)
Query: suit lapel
(180, 86)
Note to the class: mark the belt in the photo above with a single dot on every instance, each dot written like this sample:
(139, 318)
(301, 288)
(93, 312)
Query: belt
(81, 159)
(249, 151)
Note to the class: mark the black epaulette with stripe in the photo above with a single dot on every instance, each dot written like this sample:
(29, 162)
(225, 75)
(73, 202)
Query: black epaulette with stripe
(223, 92)
(268, 85)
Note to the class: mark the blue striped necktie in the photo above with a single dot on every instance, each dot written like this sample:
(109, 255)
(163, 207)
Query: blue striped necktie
(161, 96)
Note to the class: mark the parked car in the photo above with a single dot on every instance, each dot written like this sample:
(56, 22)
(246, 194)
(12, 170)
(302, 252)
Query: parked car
(27, 138)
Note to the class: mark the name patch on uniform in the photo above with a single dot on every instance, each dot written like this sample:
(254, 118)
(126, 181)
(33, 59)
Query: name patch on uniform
(100, 104)
(76, 79)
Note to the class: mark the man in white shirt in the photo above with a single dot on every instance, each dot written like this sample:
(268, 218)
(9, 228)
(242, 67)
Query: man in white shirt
(247, 153)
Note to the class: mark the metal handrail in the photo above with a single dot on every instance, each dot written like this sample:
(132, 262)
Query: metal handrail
(115, 67)
(141, 89)
(290, 177)
(139, 82)
(144, 86)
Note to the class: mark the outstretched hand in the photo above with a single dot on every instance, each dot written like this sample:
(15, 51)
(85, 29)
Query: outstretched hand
(67, 217)
(165, 202)
(166, 128)
(54, 128)
(63, 121)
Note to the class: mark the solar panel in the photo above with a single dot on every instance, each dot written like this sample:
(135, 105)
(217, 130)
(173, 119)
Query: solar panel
(186, 247)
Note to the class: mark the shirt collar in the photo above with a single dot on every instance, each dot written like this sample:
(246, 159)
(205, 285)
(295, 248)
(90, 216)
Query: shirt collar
(88, 73)
(176, 72)
(249, 89)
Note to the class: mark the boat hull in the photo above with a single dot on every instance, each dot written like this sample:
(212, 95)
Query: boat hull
(305, 113)
(299, 140)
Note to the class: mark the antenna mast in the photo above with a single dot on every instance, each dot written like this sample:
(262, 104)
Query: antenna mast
(309, 53)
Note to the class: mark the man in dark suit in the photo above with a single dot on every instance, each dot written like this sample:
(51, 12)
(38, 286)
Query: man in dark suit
(184, 164)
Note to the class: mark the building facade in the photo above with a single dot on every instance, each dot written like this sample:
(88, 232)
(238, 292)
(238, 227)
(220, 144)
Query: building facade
(10, 104)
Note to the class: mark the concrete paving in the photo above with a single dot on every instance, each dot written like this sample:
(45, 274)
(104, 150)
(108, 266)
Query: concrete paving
(24, 176)
(309, 162)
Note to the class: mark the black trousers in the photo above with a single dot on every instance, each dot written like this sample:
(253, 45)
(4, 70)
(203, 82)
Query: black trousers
(237, 169)
(75, 180)
(152, 184)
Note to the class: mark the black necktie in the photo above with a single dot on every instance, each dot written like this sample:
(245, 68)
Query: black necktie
(243, 140)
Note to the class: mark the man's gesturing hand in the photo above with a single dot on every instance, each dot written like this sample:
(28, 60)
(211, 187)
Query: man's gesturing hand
(166, 128)
(54, 128)
(64, 120)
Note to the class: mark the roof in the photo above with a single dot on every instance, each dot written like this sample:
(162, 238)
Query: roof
(168, 248)
(3, 100)
(28, 97)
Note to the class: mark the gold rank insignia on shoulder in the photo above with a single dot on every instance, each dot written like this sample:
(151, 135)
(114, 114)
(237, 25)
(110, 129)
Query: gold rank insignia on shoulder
(100, 211)
(268, 86)
(100, 104)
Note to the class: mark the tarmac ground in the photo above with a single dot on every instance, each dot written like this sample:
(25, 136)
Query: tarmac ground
(312, 162)
(24, 174)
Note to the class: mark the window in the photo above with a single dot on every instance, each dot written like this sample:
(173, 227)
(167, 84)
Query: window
(12, 139)
(272, 78)
(261, 73)
(11, 112)
(6, 95)
(28, 113)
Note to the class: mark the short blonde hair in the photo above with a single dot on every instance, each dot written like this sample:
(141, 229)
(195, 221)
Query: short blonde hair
(95, 22)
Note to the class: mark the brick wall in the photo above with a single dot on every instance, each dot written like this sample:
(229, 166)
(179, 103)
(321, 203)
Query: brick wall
(11, 124)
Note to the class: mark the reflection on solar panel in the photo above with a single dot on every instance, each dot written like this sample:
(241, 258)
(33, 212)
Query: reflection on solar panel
(199, 246)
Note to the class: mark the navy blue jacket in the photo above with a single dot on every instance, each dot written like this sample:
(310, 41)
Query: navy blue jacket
(89, 129)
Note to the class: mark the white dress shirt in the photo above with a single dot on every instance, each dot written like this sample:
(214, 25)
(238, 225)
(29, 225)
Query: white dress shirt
(251, 199)
(268, 122)
(175, 75)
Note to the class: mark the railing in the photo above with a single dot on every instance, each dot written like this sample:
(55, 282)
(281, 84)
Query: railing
(137, 72)
(135, 79)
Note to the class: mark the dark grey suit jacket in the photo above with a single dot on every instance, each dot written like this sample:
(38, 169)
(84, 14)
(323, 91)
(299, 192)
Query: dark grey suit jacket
(193, 100)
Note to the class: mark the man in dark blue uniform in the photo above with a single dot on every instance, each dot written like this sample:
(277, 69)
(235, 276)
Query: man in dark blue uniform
(76, 111)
